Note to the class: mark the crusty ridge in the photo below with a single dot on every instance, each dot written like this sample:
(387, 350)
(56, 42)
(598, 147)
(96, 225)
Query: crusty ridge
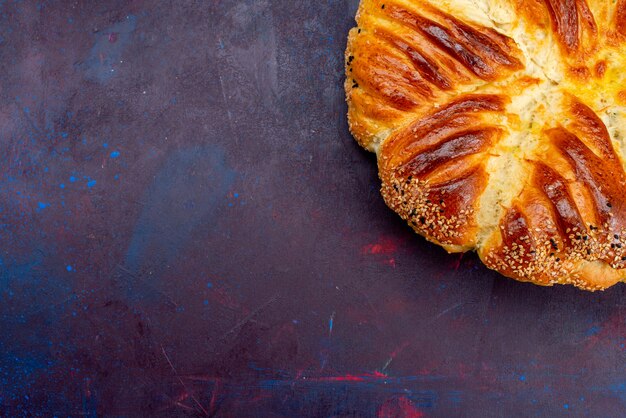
(486, 143)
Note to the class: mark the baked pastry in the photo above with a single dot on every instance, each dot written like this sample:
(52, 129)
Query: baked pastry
(499, 126)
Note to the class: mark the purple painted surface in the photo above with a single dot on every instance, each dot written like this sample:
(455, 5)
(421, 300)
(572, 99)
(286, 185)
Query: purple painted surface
(188, 229)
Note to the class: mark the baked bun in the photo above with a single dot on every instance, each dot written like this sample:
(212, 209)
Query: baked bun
(499, 127)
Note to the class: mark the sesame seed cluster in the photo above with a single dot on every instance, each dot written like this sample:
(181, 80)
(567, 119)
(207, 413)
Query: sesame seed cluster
(544, 256)
(541, 255)
(411, 199)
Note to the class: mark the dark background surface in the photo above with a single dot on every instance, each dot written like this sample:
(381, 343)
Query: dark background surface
(188, 229)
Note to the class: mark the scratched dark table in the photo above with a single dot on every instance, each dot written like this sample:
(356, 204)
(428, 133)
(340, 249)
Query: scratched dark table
(188, 229)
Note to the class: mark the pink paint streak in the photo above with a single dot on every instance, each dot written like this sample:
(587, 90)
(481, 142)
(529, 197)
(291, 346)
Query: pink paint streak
(457, 262)
(350, 378)
(346, 378)
(385, 246)
(399, 408)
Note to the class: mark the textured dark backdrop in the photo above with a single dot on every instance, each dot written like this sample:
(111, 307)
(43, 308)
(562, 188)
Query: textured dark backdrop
(188, 229)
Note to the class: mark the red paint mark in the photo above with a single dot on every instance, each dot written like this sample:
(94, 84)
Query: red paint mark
(350, 378)
(391, 262)
(385, 247)
(346, 378)
(399, 349)
(457, 263)
(113, 37)
(399, 408)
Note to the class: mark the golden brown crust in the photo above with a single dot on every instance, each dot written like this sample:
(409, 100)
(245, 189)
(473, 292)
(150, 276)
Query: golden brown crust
(433, 170)
(505, 139)
(409, 60)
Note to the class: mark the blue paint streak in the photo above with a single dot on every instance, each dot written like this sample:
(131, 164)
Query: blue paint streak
(619, 389)
(198, 173)
(91, 183)
(26, 357)
(115, 154)
(593, 331)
